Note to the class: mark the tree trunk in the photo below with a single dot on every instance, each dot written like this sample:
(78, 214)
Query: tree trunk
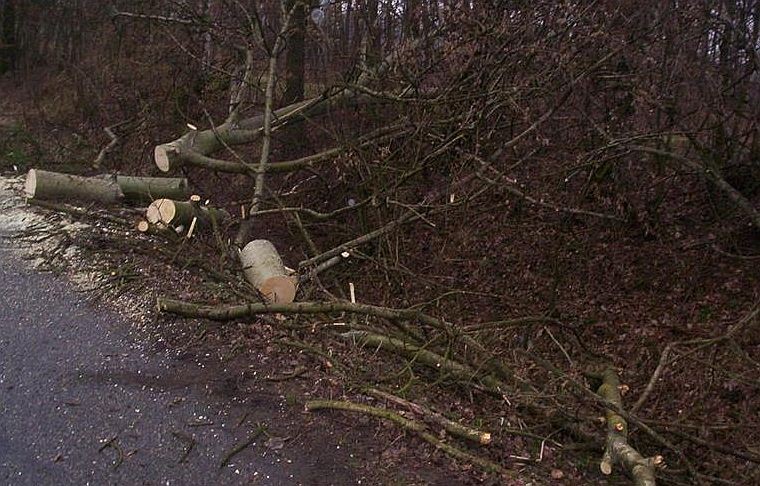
(107, 189)
(7, 36)
(372, 28)
(151, 188)
(41, 184)
(264, 269)
(296, 53)
(412, 19)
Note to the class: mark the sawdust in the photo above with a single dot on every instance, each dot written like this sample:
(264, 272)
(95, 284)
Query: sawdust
(37, 235)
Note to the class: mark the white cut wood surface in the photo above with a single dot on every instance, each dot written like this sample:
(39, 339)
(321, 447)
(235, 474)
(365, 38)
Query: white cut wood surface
(263, 268)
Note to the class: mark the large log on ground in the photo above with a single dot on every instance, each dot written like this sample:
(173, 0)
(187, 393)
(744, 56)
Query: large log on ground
(152, 188)
(263, 267)
(106, 189)
(41, 184)
(182, 213)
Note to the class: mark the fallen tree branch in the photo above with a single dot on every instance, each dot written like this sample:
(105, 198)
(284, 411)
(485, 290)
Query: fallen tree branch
(483, 358)
(108, 148)
(189, 440)
(114, 13)
(454, 428)
(504, 182)
(458, 371)
(231, 312)
(617, 448)
(240, 447)
(745, 321)
(412, 426)
(372, 235)
(196, 159)
(195, 145)
(297, 372)
(732, 451)
(654, 378)
(408, 216)
(548, 366)
(233, 132)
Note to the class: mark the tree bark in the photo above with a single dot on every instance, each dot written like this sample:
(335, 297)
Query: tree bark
(107, 189)
(143, 189)
(296, 53)
(264, 269)
(41, 184)
(182, 213)
(618, 450)
(8, 36)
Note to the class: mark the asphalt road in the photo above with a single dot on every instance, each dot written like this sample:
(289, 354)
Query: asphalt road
(81, 402)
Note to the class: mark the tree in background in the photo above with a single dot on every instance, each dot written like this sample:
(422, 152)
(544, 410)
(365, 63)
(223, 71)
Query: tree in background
(7, 35)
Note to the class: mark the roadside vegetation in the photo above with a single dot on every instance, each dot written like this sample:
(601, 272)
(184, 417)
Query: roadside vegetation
(525, 234)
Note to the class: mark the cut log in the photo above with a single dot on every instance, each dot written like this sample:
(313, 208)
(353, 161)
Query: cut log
(41, 184)
(142, 226)
(165, 154)
(181, 213)
(106, 189)
(264, 269)
(151, 188)
(159, 229)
